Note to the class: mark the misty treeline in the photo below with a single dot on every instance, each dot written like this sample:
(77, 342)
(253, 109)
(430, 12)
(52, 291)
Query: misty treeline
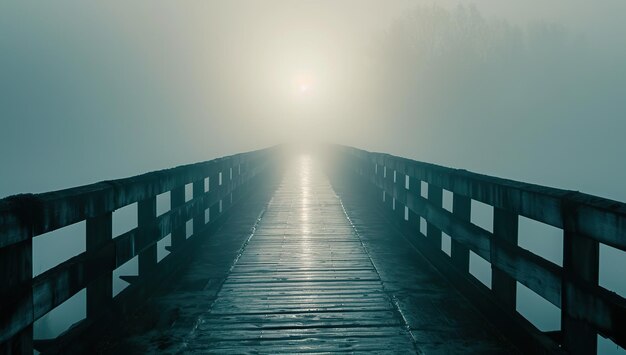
(537, 102)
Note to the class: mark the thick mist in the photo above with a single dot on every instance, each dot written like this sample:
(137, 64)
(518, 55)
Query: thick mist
(540, 103)
(98, 91)
(530, 91)
(523, 91)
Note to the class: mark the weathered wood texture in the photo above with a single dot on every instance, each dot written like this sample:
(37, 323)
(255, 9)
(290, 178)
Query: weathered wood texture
(328, 281)
(24, 299)
(303, 283)
(300, 278)
(586, 220)
(440, 320)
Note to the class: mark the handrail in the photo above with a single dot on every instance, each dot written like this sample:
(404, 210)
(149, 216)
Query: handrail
(24, 299)
(587, 308)
(587, 221)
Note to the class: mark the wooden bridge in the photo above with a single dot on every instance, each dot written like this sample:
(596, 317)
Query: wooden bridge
(336, 251)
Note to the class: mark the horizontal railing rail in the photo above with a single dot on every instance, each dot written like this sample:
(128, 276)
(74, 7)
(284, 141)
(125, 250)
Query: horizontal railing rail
(24, 298)
(587, 221)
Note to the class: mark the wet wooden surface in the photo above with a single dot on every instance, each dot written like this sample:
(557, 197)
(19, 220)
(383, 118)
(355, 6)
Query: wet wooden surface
(439, 318)
(304, 283)
(315, 273)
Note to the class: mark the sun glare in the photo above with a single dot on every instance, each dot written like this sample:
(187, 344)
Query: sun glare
(304, 83)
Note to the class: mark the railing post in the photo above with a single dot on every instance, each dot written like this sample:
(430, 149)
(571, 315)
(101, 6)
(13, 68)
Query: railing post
(16, 271)
(581, 260)
(146, 223)
(227, 181)
(177, 199)
(415, 186)
(242, 175)
(376, 179)
(400, 192)
(236, 181)
(505, 230)
(385, 195)
(99, 231)
(379, 179)
(368, 177)
(216, 190)
(198, 193)
(461, 208)
(435, 197)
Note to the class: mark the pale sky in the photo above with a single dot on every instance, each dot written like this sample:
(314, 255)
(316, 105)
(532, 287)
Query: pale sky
(99, 91)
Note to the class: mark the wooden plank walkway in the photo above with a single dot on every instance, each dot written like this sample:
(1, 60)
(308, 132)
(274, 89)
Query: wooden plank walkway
(304, 283)
(316, 272)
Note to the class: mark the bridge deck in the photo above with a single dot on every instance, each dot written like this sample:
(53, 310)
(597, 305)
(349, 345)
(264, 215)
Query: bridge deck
(309, 279)
(303, 283)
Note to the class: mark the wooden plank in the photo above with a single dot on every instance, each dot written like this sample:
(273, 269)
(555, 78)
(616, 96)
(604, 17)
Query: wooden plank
(603, 310)
(16, 219)
(56, 285)
(127, 246)
(524, 334)
(303, 275)
(468, 234)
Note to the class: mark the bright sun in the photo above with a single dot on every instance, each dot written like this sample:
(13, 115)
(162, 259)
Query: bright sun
(304, 83)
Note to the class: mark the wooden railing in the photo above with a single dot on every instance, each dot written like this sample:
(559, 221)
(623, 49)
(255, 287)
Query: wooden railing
(587, 221)
(217, 185)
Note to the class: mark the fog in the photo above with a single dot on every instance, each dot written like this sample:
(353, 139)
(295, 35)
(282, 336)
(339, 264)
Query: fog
(531, 91)
(525, 91)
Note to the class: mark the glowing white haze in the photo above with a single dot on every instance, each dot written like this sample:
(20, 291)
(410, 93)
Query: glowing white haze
(94, 91)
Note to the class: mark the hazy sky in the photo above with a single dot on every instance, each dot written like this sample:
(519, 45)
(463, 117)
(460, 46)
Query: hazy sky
(530, 90)
(98, 91)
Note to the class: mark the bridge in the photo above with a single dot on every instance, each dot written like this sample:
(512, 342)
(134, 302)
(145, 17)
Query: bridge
(339, 250)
